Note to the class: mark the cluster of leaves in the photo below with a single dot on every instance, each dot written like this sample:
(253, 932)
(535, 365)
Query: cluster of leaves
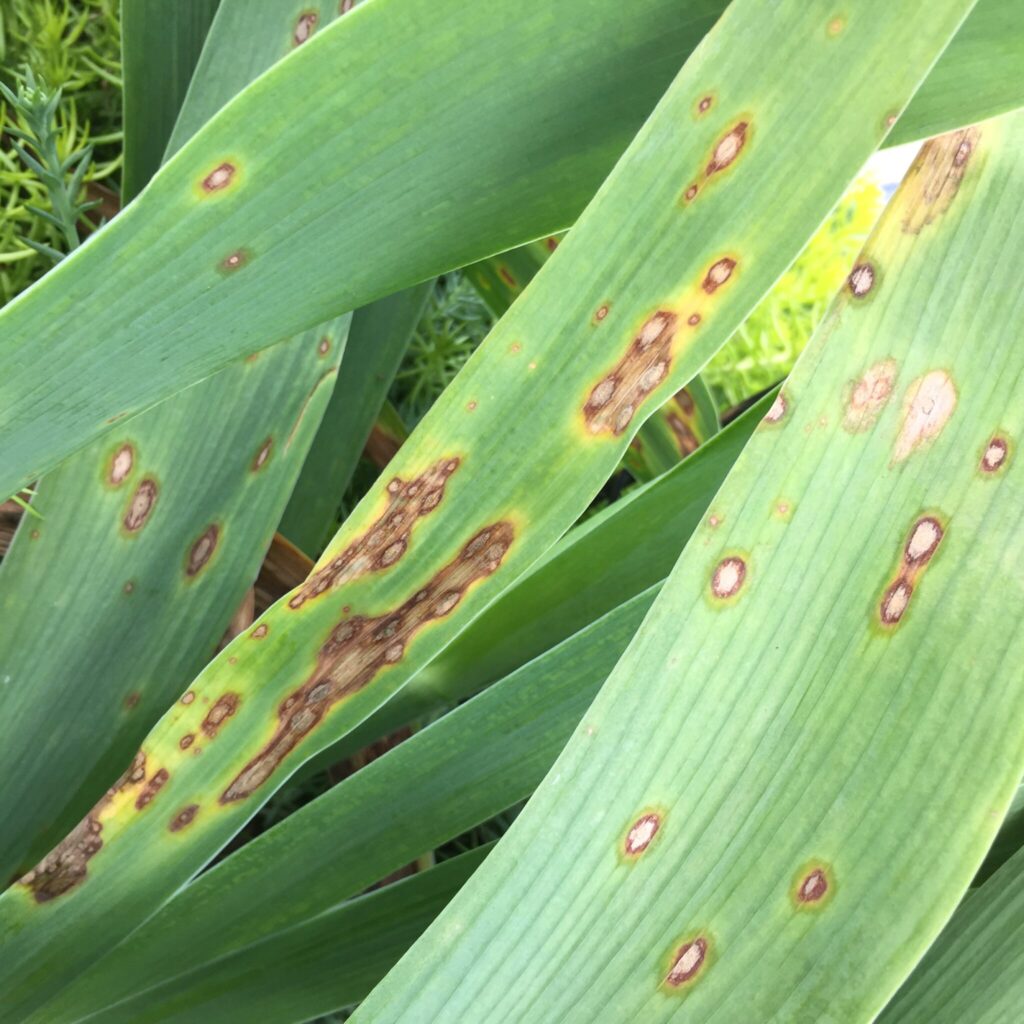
(70, 46)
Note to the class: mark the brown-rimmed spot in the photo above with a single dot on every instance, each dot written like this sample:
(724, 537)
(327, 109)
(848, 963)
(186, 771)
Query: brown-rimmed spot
(782, 509)
(140, 505)
(152, 787)
(129, 587)
(691, 193)
(188, 697)
(641, 834)
(202, 550)
(704, 103)
(693, 319)
(687, 962)
(868, 395)
(861, 280)
(184, 817)
(345, 6)
(260, 459)
(934, 179)
(225, 706)
(613, 401)
(260, 631)
(602, 312)
(387, 538)
(728, 577)
(121, 464)
(471, 405)
(813, 887)
(305, 27)
(325, 346)
(994, 457)
(919, 548)
(234, 261)
(132, 700)
(728, 148)
(506, 276)
(187, 740)
(718, 273)
(927, 407)
(551, 243)
(778, 410)
(34, 535)
(219, 178)
(714, 521)
(358, 648)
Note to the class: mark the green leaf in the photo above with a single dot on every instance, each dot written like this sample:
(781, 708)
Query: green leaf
(752, 821)
(523, 144)
(972, 972)
(473, 514)
(377, 339)
(160, 44)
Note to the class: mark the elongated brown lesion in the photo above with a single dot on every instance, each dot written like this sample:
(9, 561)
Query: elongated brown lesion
(934, 179)
(918, 550)
(387, 539)
(613, 401)
(359, 647)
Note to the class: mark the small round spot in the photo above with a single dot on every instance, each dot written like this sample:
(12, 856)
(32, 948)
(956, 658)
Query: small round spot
(132, 700)
(602, 312)
(325, 346)
(305, 27)
(187, 740)
(995, 455)
(895, 602)
(691, 193)
(515, 348)
(129, 587)
(506, 276)
(219, 178)
(813, 887)
(705, 104)
(714, 521)
(235, 260)
(688, 961)
(642, 834)
(719, 273)
(924, 539)
(861, 280)
(260, 631)
(551, 243)
(531, 366)
(188, 697)
(184, 817)
(121, 465)
(693, 319)
(345, 6)
(260, 459)
(728, 577)
(202, 550)
(471, 406)
(34, 535)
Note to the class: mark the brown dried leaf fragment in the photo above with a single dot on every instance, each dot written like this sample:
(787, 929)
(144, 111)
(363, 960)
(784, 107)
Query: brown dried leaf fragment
(613, 401)
(384, 543)
(358, 648)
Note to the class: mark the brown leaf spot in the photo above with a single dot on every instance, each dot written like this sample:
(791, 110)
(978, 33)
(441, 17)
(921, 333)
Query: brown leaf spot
(305, 27)
(234, 261)
(641, 834)
(602, 312)
(132, 700)
(387, 538)
(813, 887)
(219, 178)
(718, 274)
(728, 149)
(934, 179)
(778, 410)
(688, 961)
(861, 280)
(506, 276)
(188, 697)
(140, 506)
(121, 464)
(686, 440)
(704, 104)
(184, 817)
(152, 787)
(202, 550)
(691, 193)
(222, 710)
(923, 540)
(919, 548)
(728, 577)
(67, 864)
(358, 648)
(551, 243)
(345, 6)
(260, 459)
(260, 631)
(614, 399)
(995, 455)
(868, 396)
(929, 403)
(187, 740)
(325, 346)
